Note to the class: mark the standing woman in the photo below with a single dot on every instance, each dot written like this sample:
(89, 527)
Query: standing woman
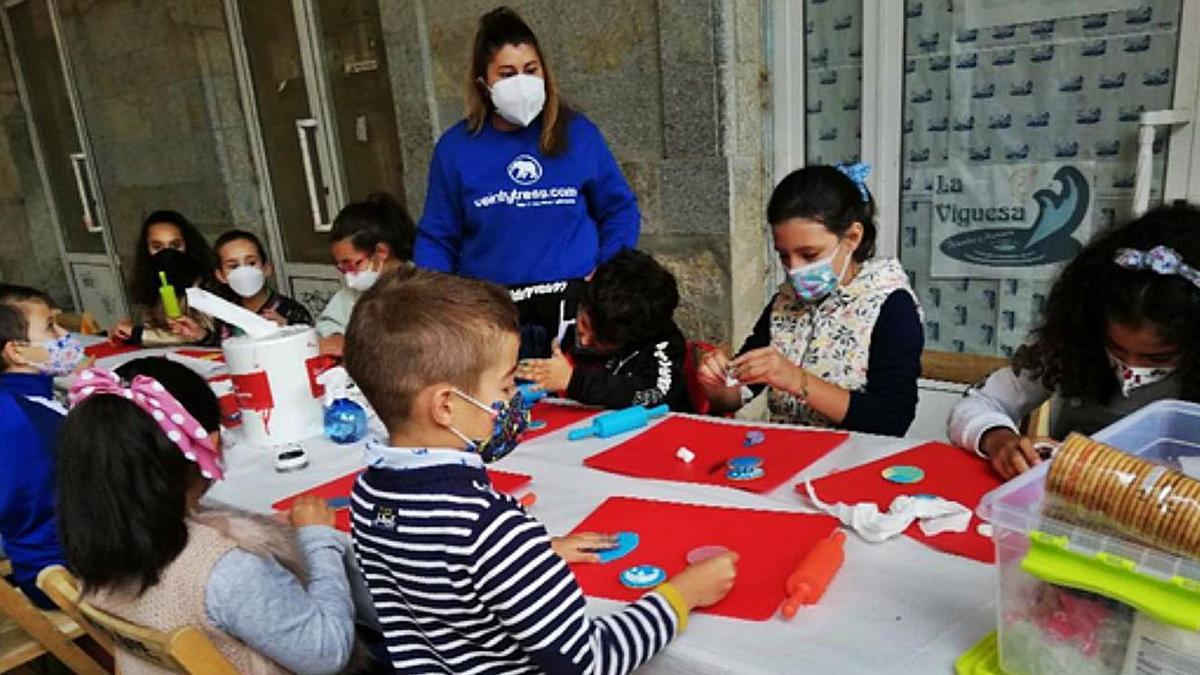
(524, 192)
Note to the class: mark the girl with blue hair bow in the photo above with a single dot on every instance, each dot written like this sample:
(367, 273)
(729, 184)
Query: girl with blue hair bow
(840, 343)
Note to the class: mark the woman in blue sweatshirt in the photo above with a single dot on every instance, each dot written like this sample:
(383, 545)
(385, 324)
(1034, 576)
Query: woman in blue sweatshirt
(524, 192)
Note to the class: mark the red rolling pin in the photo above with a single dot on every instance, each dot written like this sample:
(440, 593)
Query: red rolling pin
(811, 577)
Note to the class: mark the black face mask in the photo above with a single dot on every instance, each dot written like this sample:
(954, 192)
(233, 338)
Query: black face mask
(182, 272)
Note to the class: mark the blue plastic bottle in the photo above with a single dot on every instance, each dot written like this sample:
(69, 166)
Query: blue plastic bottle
(345, 420)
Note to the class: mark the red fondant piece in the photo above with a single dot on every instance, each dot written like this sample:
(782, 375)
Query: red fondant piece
(950, 473)
(215, 355)
(503, 481)
(769, 545)
(103, 350)
(651, 453)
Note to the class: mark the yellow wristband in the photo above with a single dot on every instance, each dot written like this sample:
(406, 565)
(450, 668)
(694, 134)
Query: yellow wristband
(675, 599)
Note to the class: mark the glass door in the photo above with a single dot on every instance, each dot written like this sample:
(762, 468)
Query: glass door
(64, 158)
(1020, 128)
(315, 77)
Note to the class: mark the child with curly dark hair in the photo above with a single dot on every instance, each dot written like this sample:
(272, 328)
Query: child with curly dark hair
(1120, 329)
(625, 348)
(168, 245)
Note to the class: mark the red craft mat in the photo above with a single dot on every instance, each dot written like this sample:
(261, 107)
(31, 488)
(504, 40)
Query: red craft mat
(950, 473)
(503, 481)
(651, 454)
(556, 417)
(207, 354)
(103, 350)
(769, 545)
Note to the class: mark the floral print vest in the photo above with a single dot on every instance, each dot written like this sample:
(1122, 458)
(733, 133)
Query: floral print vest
(832, 338)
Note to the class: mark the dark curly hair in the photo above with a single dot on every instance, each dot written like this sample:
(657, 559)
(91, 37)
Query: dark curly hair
(630, 299)
(1067, 351)
(826, 195)
(143, 280)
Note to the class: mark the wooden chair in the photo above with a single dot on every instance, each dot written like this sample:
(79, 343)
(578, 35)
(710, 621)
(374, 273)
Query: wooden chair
(971, 369)
(960, 368)
(83, 324)
(27, 633)
(183, 650)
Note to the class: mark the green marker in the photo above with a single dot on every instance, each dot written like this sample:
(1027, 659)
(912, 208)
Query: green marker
(170, 301)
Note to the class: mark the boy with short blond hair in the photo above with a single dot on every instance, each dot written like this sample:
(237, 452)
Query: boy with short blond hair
(462, 578)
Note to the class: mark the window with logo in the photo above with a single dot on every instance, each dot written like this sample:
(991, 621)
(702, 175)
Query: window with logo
(1020, 132)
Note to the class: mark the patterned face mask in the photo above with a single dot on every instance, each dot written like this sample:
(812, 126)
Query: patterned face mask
(1133, 377)
(64, 355)
(814, 281)
(509, 421)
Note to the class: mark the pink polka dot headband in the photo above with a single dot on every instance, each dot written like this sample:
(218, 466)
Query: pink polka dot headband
(146, 393)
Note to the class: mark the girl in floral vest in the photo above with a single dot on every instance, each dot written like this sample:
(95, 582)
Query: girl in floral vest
(840, 343)
(137, 451)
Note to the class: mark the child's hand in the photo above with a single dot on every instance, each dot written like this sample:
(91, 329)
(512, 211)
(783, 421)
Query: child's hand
(121, 330)
(552, 374)
(579, 548)
(332, 345)
(1009, 454)
(187, 328)
(272, 315)
(713, 369)
(706, 583)
(310, 510)
(768, 366)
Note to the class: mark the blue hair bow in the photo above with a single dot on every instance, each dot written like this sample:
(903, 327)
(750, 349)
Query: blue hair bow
(857, 173)
(1160, 260)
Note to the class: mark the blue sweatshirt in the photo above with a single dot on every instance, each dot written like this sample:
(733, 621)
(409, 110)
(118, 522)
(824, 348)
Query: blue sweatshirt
(29, 424)
(500, 210)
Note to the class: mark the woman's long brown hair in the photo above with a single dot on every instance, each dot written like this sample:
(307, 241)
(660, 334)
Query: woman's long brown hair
(499, 27)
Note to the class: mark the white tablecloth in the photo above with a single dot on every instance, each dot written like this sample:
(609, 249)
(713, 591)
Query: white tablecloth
(896, 607)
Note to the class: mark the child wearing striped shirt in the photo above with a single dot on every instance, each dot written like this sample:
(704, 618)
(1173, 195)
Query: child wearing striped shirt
(462, 578)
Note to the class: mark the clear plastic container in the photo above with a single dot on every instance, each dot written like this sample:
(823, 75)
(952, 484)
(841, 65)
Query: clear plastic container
(1067, 595)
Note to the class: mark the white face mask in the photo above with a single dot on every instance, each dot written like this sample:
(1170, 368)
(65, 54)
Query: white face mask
(246, 280)
(519, 99)
(1133, 377)
(361, 281)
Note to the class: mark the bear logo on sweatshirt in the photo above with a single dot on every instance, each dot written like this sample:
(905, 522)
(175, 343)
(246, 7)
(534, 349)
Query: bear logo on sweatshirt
(525, 170)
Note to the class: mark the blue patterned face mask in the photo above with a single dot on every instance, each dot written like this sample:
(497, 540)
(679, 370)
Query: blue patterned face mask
(509, 421)
(816, 280)
(64, 355)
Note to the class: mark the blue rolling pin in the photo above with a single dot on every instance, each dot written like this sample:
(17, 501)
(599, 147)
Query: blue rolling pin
(530, 394)
(617, 422)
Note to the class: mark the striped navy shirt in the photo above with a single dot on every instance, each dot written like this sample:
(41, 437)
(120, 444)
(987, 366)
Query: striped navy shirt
(465, 582)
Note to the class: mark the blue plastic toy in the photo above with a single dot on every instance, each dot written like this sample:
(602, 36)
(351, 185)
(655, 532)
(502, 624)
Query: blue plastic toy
(531, 394)
(617, 422)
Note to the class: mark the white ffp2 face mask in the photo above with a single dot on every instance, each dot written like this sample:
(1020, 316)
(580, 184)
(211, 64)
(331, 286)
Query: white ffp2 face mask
(246, 280)
(519, 98)
(361, 281)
